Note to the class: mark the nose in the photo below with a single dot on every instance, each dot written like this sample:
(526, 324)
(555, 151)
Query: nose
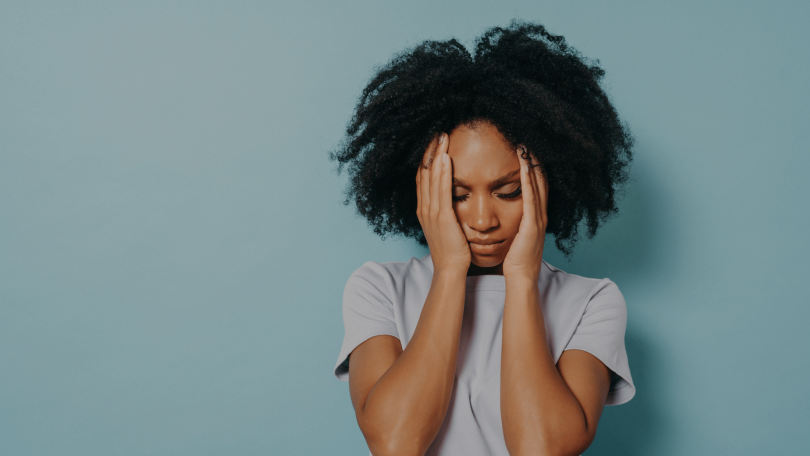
(482, 216)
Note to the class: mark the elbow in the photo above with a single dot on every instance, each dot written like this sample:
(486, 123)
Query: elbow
(393, 442)
(550, 451)
(395, 447)
(391, 448)
(569, 445)
(568, 449)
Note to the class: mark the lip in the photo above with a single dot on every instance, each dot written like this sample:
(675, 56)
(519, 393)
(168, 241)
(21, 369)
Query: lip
(484, 241)
(485, 246)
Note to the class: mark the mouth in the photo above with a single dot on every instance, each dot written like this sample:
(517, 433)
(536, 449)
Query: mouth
(485, 247)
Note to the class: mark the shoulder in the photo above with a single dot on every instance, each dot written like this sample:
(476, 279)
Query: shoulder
(395, 271)
(570, 297)
(576, 286)
(389, 277)
(597, 315)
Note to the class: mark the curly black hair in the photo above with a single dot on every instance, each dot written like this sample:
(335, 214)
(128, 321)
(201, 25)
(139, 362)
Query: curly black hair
(535, 89)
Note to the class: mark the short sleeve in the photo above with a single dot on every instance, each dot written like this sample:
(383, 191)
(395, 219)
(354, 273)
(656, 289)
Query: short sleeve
(367, 312)
(601, 333)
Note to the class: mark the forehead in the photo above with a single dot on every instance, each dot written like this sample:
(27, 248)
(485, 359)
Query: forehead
(480, 153)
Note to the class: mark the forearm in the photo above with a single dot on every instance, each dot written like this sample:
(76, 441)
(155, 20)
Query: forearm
(407, 405)
(540, 414)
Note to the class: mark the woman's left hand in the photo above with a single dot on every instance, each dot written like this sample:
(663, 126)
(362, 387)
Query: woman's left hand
(525, 256)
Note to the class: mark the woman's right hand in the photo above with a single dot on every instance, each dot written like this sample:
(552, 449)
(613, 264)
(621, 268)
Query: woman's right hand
(448, 246)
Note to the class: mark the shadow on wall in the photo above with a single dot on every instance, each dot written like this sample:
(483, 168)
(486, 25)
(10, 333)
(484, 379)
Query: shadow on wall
(634, 428)
(625, 251)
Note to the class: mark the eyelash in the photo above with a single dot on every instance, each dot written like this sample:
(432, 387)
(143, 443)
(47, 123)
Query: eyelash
(507, 196)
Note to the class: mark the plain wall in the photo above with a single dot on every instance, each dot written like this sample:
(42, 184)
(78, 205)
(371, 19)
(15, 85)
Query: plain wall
(173, 247)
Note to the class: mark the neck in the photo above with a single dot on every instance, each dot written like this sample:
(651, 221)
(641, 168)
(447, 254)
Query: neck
(478, 270)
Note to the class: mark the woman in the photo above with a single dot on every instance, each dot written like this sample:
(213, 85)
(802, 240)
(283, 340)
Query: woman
(481, 347)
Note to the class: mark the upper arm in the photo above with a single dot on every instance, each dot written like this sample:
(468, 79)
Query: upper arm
(589, 381)
(368, 312)
(600, 334)
(367, 364)
(594, 363)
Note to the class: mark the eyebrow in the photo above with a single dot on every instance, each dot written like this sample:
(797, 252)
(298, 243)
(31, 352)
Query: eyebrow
(496, 183)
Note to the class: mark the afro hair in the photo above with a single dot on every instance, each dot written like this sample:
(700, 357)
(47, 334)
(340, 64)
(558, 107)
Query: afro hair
(535, 89)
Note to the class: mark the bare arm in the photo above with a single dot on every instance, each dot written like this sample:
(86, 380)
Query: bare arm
(546, 409)
(401, 397)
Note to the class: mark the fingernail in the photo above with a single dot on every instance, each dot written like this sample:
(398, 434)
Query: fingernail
(441, 138)
(526, 168)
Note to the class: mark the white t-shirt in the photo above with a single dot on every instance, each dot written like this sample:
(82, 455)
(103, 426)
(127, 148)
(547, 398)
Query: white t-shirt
(580, 313)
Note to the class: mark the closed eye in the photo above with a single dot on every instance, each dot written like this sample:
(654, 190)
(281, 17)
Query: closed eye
(507, 196)
(512, 195)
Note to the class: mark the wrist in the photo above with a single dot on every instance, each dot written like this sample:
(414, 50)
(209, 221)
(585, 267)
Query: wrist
(449, 274)
(522, 279)
(522, 292)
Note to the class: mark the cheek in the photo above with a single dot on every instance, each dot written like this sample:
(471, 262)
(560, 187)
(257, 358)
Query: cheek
(459, 213)
(512, 217)
(509, 216)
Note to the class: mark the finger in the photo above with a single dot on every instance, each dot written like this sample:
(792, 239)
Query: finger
(430, 152)
(419, 194)
(446, 185)
(443, 142)
(435, 181)
(526, 187)
(535, 189)
(540, 185)
(543, 187)
(424, 189)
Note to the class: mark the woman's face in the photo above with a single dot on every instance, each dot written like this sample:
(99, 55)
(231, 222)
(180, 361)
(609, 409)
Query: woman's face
(486, 191)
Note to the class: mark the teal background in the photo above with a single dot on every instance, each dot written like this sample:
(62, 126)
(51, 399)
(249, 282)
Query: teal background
(173, 247)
